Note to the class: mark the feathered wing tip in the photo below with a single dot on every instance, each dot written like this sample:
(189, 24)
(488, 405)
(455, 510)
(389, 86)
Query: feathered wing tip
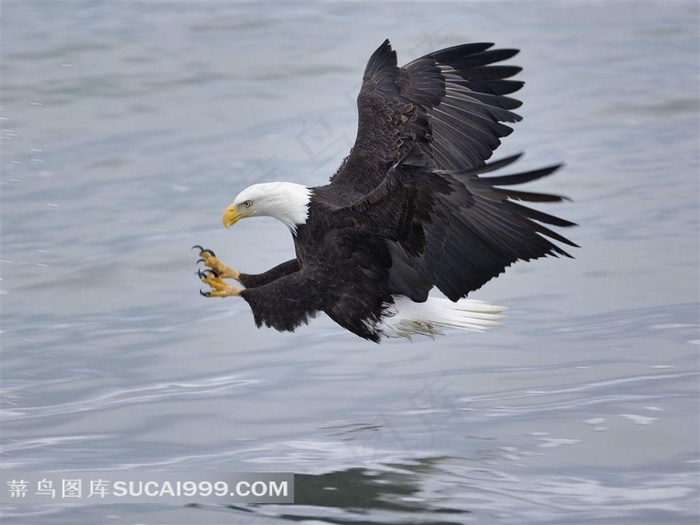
(436, 314)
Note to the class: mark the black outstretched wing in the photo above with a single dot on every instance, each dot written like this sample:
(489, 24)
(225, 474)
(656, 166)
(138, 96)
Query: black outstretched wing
(348, 280)
(254, 280)
(450, 104)
(458, 230)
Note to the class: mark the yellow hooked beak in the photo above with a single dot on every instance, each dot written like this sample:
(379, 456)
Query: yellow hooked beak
(233, 214)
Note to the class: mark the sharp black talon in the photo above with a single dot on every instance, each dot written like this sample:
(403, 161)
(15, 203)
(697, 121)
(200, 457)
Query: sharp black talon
(205, 274)
(200, 261)
(205, 294)
(203, 250)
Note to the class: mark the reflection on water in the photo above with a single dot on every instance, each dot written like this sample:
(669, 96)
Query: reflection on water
(456, 489)
(126, 133)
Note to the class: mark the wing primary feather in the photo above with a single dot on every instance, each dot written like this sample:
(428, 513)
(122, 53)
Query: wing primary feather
(489, 73)
(471, 61)
(521, 178)
(528, 196)
(487, 167)
(454, 52)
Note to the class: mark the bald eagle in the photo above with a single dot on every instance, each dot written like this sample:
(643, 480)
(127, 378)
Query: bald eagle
(408, 210)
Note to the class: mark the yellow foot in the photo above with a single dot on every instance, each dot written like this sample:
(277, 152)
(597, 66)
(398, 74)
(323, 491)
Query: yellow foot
(209, 259)
(219, 287)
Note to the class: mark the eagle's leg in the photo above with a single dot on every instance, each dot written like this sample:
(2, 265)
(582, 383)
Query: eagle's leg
(222, 270)
(219, 287)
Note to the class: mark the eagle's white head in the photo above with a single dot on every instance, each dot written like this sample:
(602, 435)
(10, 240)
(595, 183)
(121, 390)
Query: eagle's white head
(285, 201)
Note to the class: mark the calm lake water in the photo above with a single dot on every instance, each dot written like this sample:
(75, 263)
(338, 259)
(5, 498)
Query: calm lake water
(128, 128)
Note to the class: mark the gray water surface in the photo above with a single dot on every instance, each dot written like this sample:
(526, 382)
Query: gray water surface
(128, 128)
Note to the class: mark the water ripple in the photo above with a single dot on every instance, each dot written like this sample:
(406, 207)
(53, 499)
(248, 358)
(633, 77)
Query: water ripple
(133, 396)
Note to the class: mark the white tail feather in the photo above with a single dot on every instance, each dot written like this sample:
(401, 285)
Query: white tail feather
(435, 314)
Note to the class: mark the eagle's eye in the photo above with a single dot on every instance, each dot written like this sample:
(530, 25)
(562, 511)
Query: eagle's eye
(247, 204)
